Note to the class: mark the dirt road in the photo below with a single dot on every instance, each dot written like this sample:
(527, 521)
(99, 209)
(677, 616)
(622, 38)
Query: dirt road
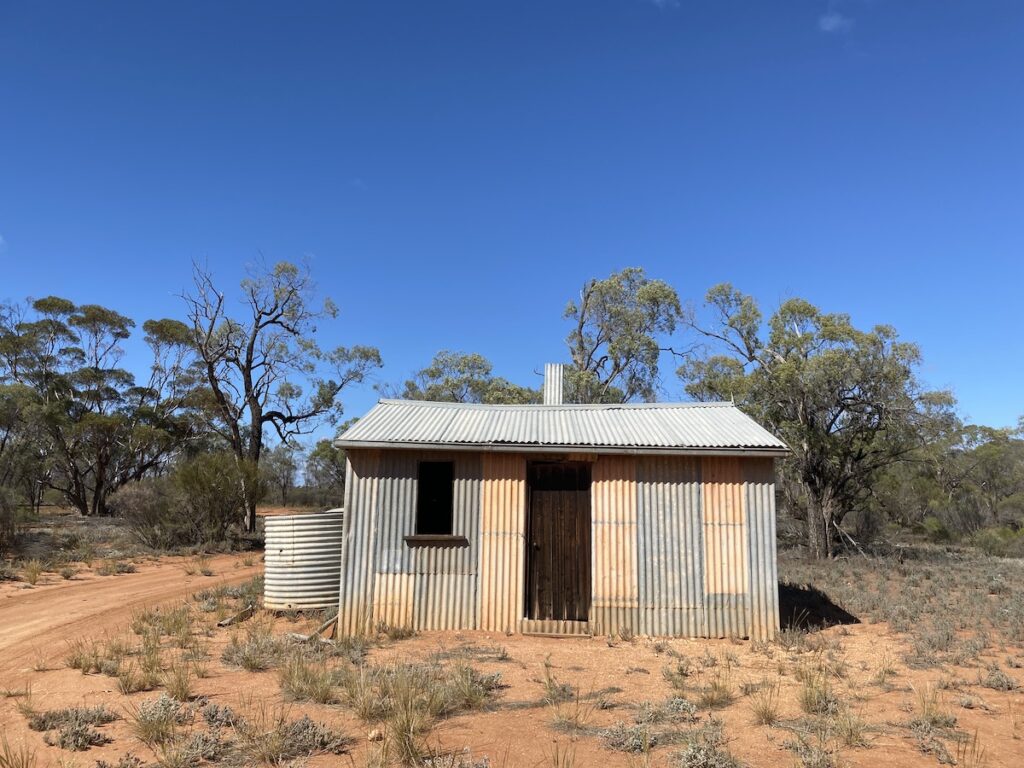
(36, 624)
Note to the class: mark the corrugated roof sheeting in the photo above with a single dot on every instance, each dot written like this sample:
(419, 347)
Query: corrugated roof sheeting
(680, 426)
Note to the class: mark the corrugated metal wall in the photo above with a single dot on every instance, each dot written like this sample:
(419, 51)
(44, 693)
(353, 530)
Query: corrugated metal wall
(681, 546)
(759, 478)
(384, 579)
(357, 554)
(613, 510)
(670, 546)
(726, 555)
(502, 544)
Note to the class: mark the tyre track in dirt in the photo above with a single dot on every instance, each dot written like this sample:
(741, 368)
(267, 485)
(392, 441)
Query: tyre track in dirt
(37, 624)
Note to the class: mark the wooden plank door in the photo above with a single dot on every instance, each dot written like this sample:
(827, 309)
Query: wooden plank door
(558, 542)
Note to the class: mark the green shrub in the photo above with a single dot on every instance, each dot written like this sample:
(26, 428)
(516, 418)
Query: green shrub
(7, 522)
(198, 504)
(1000, 542)
(935, 530)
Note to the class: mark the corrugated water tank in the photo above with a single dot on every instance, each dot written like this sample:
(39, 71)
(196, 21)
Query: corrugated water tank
(302, 560)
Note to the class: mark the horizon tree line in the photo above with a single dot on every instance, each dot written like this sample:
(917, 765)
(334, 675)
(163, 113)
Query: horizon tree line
(870, 444)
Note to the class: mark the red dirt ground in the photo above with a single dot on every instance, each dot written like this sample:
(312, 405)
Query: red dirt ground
(35, 625)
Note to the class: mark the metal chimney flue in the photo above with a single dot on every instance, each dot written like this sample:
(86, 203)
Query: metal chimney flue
(554, 383)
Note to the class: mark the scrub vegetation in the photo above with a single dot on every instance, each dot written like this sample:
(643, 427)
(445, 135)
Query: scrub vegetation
(913, 656)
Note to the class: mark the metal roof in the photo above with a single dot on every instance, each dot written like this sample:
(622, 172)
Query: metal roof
(718, 428)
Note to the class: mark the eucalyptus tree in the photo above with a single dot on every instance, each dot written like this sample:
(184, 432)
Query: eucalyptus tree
(263, 368)
(325, 467)
(464, 378)
(280, 469)
(847, 401)
(82, 423)
(619, 328)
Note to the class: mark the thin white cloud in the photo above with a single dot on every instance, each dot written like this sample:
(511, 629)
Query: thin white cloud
(665, 3)
(834, 21)
(3, 243)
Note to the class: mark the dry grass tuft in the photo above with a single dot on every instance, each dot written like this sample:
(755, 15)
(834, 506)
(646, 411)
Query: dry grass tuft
(20, 757)
(764, 704)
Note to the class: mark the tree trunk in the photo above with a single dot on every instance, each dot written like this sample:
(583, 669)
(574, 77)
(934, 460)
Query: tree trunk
(819, 528)
(249, 496)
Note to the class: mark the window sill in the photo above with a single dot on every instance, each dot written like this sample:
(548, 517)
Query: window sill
(436, 540)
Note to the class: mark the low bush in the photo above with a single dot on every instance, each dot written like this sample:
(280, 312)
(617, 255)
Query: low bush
(76, 737)
(630, 738)
(269, 737)
(156, 721)
(199, 504)
(8, 529)
(255, 649)
(764, 705)
(817, 697)
(1000, 541)
(304, 681)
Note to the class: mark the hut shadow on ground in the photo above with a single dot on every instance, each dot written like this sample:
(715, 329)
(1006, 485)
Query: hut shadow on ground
(805, 607)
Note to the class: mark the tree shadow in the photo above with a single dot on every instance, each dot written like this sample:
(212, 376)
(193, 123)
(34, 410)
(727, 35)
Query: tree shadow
(802, 606)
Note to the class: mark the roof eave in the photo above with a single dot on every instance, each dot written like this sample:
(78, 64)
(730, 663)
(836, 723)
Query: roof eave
(764, 452)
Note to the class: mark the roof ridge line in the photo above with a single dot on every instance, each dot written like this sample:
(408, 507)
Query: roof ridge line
(566, 406)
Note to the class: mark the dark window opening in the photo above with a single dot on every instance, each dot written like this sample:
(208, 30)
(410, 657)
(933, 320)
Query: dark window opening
(434, 498)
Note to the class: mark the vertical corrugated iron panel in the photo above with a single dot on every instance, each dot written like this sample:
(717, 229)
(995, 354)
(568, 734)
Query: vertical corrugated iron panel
(681, 546)
(398, 584)
(394, 595)
(670, 546)
(355, 613)
(613, 509)
(445, 601)
(726, 556)
(502, 542)
(435, 600)
(397, 515)
(759, 478)
(396, 511)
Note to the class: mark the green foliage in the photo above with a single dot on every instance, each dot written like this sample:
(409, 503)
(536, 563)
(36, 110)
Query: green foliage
(459, 377)
(7, 522)
(966, 478)
(279, 468)
(846, 401)
(198, 504)
(1000, 542)
(325, 470)
(935, 529)
(81, 424)
(615, 343)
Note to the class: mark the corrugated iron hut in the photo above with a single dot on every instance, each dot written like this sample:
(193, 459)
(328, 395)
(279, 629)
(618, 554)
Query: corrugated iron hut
(570, 519)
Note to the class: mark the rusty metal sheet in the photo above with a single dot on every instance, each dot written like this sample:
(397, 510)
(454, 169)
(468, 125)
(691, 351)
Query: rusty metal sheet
(614, 577)
(502, 542)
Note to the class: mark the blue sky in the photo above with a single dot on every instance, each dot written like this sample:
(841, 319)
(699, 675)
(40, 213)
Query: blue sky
(455, 170)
